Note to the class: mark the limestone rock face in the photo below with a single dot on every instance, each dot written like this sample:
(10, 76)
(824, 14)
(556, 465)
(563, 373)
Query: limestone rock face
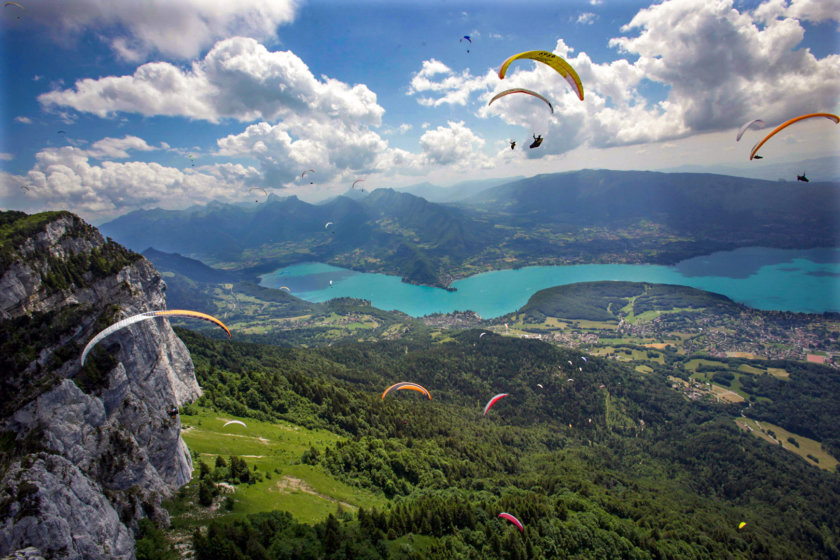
(96, 449)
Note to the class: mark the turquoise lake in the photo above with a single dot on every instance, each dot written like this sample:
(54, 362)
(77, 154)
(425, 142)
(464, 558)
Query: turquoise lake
(778, 279)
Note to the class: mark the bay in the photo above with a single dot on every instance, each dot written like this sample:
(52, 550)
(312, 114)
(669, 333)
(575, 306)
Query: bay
(772, 279)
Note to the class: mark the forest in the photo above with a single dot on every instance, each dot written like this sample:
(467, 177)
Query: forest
(610, 464)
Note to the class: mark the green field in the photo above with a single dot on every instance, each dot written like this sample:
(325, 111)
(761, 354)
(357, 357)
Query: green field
(307, 492)
(806, 446)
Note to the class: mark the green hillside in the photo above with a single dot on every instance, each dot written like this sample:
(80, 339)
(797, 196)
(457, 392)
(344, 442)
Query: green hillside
(630, 470)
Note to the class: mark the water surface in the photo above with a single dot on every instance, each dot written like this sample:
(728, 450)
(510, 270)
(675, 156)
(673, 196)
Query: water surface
(779, 279)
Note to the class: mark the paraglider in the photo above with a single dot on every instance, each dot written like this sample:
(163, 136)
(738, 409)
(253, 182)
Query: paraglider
(521, 90)
(265, 192)
(802, 178)
(15, 4)
(302, 175)
(512, 144)
(327, 225)
(356, 181)
(173, 412)
(482, 334)
(406, 385)
(512, 519)
(145, 316)
(552, 60)
(584, 359)
(787, 123)
(285, 288)
(537, 141)
(755, 124)
(192, 160)
(241, 423)
(493, 401)
(467, 38)
(741, 525)
(540, 386)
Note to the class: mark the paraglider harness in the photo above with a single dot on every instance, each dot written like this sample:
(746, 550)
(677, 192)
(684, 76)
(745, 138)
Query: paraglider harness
(537, 141)
(173, 412)
(802, 178)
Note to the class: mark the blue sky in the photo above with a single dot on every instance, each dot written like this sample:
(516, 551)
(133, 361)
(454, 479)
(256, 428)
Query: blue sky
(256, 91)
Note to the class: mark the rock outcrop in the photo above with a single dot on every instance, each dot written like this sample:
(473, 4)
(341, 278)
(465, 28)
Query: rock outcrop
(85, 451)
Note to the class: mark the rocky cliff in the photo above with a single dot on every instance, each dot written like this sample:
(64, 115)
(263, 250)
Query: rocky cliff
(85, 452)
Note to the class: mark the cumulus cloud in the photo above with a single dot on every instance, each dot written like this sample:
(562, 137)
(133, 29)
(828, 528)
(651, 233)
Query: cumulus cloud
(66, 178)
(453, 145)
(23, 120)
(722, 68)
(239, 78)
(117, 148)
(807, 10)
(5, 156)
(587, 18)
(436, 79)
(173, 28)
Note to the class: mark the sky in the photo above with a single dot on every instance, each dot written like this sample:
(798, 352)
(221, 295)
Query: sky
(110, 106)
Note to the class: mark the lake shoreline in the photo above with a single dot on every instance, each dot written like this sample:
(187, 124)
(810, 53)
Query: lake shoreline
(805, 281)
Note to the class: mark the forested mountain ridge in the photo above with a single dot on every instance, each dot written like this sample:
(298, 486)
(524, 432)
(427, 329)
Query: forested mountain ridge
(578, 217)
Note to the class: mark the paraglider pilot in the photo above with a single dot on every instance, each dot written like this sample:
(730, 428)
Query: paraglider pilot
(802, 178)
(537, 141)
(173, 412)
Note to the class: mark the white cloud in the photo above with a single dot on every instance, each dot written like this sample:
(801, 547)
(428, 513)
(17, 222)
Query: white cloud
(65, 178)
(117, 148)
(173, 28)
(438, 79)
(721, 68)
(454, 145)
(334, 147)
(596, 2)
(5, 156)
(587, 18)
(239, 78)
(807, 10)
(23, 120)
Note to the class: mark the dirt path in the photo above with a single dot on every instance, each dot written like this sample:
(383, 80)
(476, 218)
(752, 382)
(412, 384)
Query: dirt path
(292, 484)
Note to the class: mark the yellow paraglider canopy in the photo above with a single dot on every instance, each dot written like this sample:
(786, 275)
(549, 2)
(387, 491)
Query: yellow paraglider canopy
(551, 59)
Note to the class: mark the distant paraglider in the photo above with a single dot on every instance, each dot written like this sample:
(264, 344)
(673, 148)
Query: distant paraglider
(493, 401)
(265, 192)
(741, 525)
(234, 422)
(512, 519)
(756, 124)
(143, 317)
(468, 40)
(406, 385)
(302, 175)
(802, 178)
(787, 123)
(537, 141)
(356, 182)
(16, 5)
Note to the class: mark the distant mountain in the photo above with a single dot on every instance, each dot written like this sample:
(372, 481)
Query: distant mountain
(459, 191)
(731, 210)
(564, 218)
(191, 268)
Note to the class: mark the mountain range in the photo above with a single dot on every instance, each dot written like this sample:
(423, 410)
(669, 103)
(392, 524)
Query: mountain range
(565, 218)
